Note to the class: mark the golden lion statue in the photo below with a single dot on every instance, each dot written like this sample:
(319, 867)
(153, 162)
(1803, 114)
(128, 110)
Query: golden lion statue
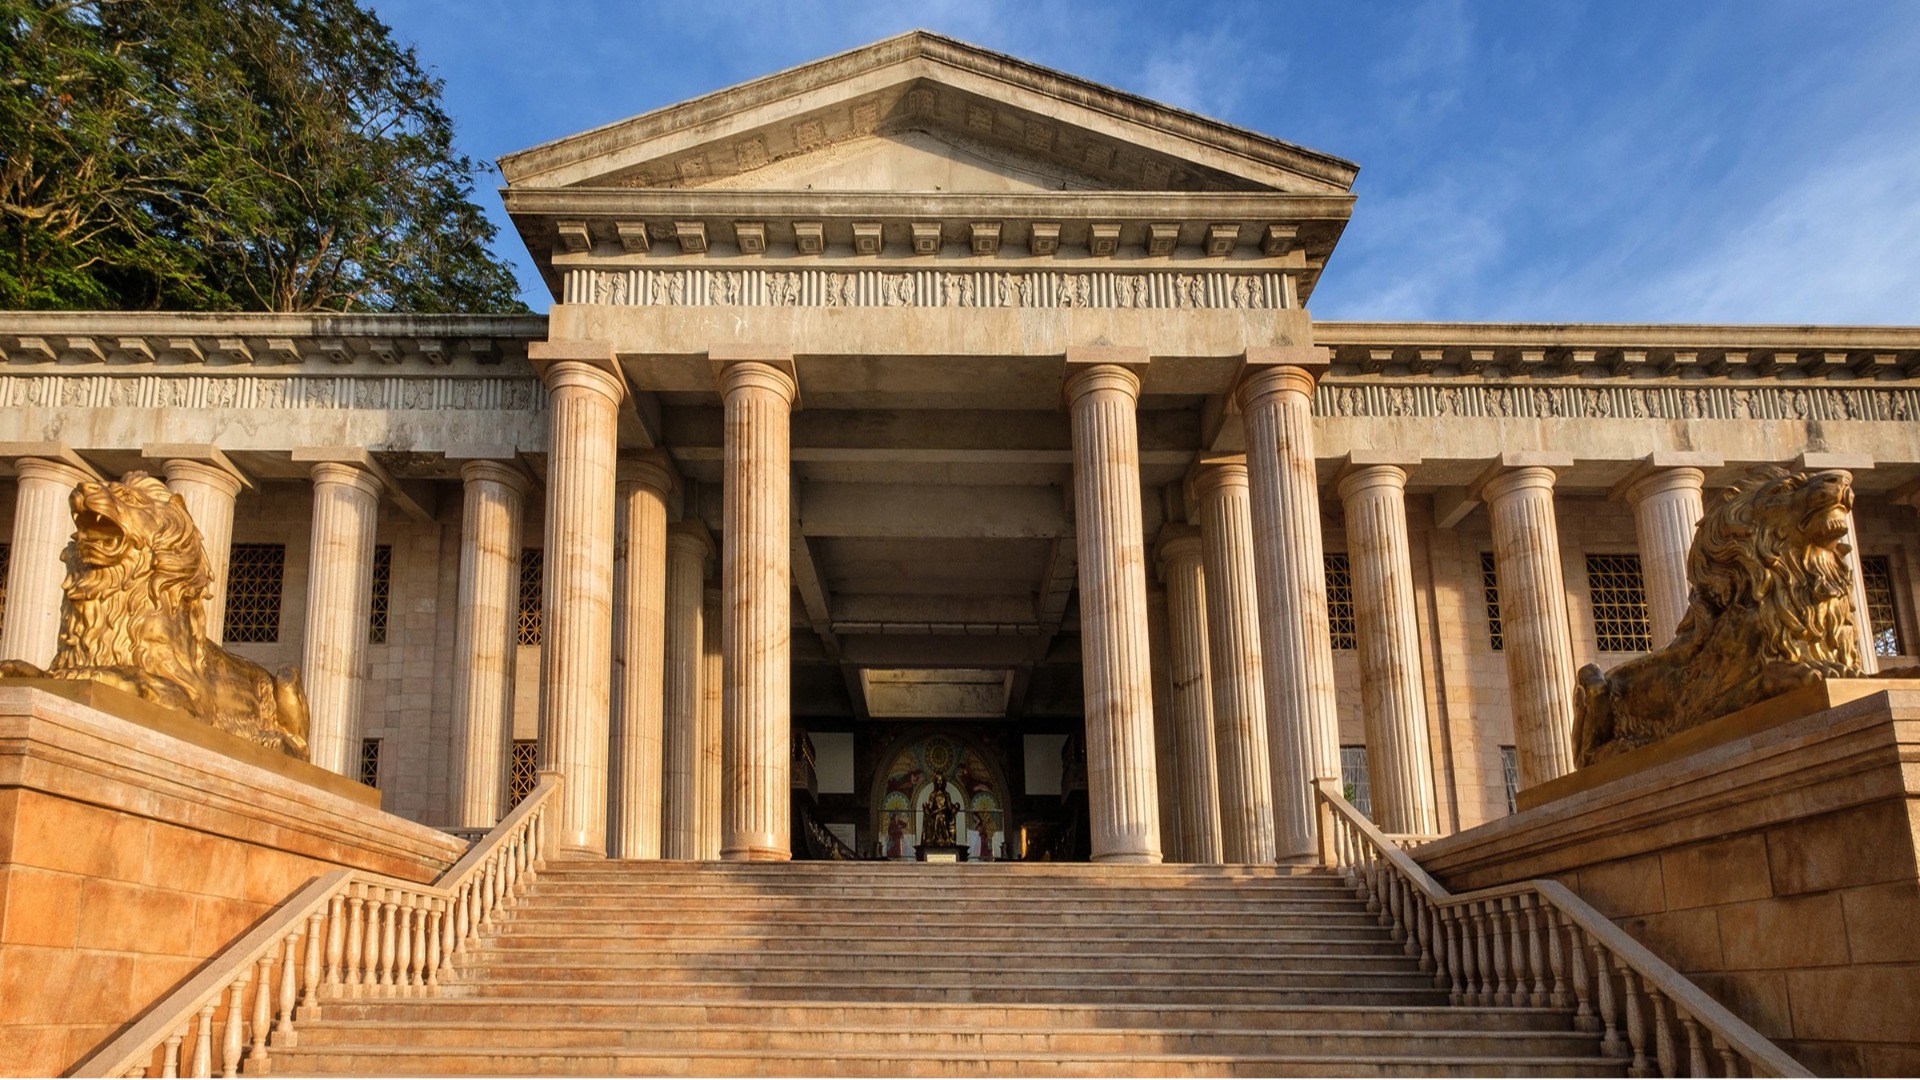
(1771, 610)
(135, 618)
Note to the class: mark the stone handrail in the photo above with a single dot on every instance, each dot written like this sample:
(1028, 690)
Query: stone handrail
(346, 934)
(1536, 943)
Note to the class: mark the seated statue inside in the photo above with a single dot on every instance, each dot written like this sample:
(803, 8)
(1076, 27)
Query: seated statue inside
(937, 816)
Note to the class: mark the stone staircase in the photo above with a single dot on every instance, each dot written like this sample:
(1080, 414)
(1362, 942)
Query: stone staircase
(838, 969)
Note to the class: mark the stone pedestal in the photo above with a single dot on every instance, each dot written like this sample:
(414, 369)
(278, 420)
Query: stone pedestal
(1303, 733)
(1393, 696)
(1666, 511)
(490, 522)
(132, 850)
(1235, 668)
(1193, 710)
(1122, 790)
(688, 550)
(346, 505)
(42, 525)
(1533, 619)
(209, 491)
(639, 658)
(1776, 869)
(756, 622)
(576, 656)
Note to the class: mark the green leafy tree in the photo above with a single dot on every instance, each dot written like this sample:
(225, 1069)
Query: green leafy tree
(266, 155)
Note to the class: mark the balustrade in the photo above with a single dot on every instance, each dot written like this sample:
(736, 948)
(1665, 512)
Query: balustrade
(1536, 943)
(347, 934)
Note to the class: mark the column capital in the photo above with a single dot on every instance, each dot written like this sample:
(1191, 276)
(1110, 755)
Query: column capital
(1674, 464)
(1177, 544)
(52, 469)
(651, 470)
(1084, 380)
(1354, 479)
(756, 374)
(1818, 462)
(200, 462)
(1517, 469)
(507, 474)
(52, 453)
(1213, 475)
(186, 470)
(690, 538)
(589, 364)
(346, 475)
(1270, 372)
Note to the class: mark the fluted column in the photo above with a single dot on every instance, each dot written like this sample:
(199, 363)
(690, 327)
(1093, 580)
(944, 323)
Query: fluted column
(639, 659)
(1666, 511)
(1290, 574)
(42, 526)
(1166, 745)
(756, 630)
(711, 737)
(1533, 620)
(209, 491)
(1122, 793)
(687, 552)
(1233, 648)
(491, 514)
(346, 507)
(1393, 694)
(576, 655)
(1193, 709)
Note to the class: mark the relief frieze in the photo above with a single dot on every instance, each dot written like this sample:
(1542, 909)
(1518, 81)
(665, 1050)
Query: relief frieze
(392, 393)
(927, 288)
(1718, 402)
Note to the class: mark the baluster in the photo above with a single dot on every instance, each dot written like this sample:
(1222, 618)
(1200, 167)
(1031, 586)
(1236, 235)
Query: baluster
(1636, 1019)
(236, 1029)
(313, 960)
(486, 892)
(1458, 960)
(1729, 1065)
(1502, 964)
(1696, 1046)
(434, 944)
(289, 988)
(1371, 884)
(262, 1008)
(1396, 901)
(1516, 948)
(170, 1060)
(1556, 959)
(336, 943)
(1483, 957)
(403, 959)
(1584, 1018)
(389, 946)
(1433, 948)
(507, 866)
(457, 922)
(356, 932)
(203, 1042)
(1663, 1049)
(1610, 1043)
(417, 957)
(1536, 953)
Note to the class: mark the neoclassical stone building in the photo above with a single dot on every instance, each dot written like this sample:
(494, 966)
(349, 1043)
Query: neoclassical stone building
(920, 416)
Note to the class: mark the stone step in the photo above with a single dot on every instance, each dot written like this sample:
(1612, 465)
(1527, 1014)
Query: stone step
(1303, 989)
(536, 1012)
(1330, 970)
(1027, 941)
(1062, 923)
(1127, 873)
(943, 907)
(598, 963)
(953, 1037)
(398, 1061)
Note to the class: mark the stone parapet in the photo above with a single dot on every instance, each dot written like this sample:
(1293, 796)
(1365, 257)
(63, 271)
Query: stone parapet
(132, 850)
(1776, 869)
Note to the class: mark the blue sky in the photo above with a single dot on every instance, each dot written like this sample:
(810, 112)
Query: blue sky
(1524, 161)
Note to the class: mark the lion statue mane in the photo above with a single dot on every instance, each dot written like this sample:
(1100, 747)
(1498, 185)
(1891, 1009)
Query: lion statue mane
(135, 618)
(1770, 610)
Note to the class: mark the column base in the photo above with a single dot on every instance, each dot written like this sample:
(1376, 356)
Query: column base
(575, 851)
(755, 854)
(1128, 857)
(1297, 860)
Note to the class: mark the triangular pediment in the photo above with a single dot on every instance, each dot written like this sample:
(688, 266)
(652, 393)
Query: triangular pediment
(904, 113)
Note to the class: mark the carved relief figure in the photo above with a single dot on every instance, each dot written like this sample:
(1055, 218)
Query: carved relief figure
(135, 618)
(1771, 610)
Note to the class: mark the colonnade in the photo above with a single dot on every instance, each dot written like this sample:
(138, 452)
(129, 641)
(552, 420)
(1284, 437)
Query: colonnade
(665, 702)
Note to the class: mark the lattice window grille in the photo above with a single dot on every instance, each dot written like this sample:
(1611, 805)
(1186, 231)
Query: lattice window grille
(1355, 782)
(379, 604)
(1619, 604)
(6, 567)
(370, 762)
(254, 576)
(1876, 574)
(523, 771)
(1340, 621)
(1510, 770)
(1490, 594)
(532, 594)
